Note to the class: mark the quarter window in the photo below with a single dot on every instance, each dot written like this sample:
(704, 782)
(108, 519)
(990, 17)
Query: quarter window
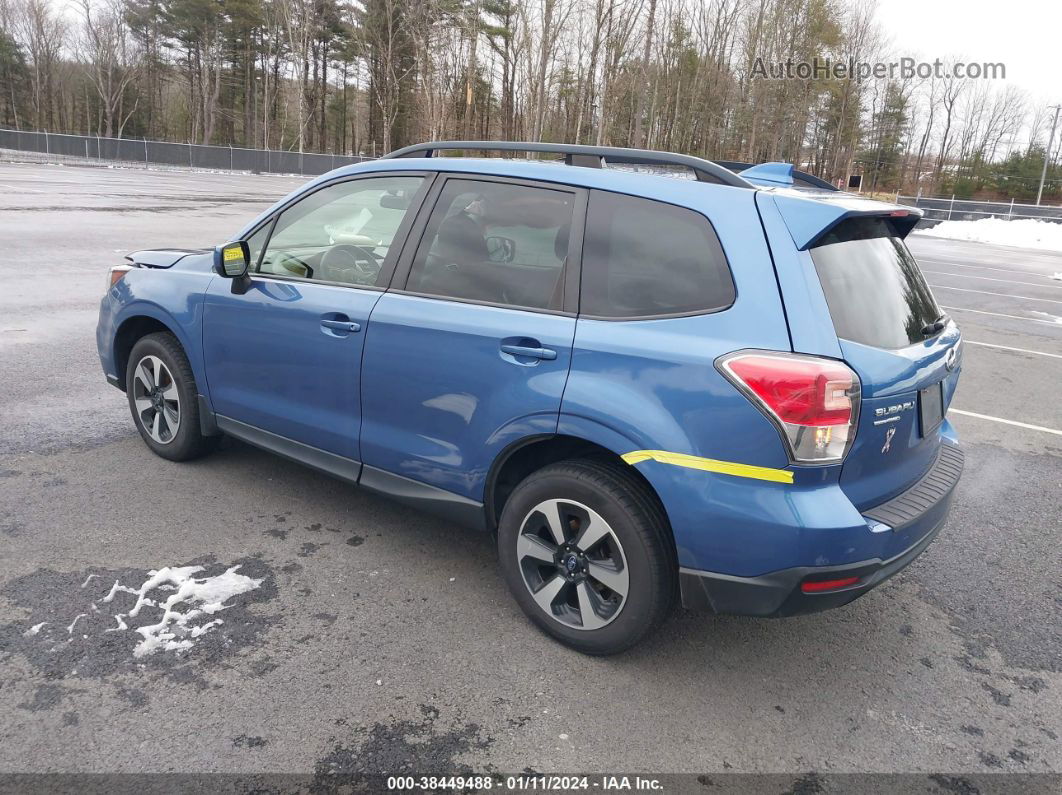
(644, 258)
(341, 233)
(255, 244)
(497, 243)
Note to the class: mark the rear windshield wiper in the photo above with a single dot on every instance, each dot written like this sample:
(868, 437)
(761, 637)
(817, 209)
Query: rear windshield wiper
(937, 326)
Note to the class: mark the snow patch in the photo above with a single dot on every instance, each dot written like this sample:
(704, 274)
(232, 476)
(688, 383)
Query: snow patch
(204, 596)
(190, 598)
(1023, 232)
(1049, 317)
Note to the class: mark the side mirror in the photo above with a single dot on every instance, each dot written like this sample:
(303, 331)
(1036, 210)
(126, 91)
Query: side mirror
(501, 249)
(232, 259)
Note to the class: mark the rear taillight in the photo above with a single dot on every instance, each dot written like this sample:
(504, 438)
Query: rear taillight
(814, 402)
(115, 274)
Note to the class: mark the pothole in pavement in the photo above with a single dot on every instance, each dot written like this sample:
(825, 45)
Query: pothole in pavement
(101, 622)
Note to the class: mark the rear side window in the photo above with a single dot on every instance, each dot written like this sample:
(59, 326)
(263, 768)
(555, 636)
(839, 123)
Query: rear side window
(643, 258)
(876, 292)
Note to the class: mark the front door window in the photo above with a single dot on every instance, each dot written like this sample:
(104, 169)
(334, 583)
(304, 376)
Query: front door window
(342, 233)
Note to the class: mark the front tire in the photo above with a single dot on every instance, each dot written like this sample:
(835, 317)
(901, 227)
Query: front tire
(584, 548)
(164, 399)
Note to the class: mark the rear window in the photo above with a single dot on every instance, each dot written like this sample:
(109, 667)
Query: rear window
(877, 294)
(643, 258)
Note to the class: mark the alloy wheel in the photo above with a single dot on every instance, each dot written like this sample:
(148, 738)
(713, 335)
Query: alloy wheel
(573, 564)
(157, 400)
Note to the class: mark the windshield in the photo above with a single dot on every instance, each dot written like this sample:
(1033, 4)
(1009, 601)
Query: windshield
(876, 292)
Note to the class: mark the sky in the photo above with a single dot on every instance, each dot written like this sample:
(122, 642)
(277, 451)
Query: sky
(1023, 34)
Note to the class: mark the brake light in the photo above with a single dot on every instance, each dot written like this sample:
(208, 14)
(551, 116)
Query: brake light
(115, 274)
(814, 402)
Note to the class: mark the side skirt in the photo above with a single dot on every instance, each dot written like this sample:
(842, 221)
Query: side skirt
(337, 465)
(440, 502)
(431, 499)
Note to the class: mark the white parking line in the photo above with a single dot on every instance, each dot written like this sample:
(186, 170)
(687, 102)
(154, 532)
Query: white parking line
(1009, 348)
(990, 279)
(1005, 422)
(985, 292)
(1055, 322)
(984, 267)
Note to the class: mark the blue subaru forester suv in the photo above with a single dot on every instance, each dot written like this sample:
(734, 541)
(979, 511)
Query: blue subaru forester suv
(728, 388)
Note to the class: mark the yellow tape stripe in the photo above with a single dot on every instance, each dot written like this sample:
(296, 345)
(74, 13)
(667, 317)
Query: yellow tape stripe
(710, 465)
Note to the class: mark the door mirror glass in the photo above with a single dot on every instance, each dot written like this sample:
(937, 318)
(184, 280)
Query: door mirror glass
(501, 249)
(231, 260)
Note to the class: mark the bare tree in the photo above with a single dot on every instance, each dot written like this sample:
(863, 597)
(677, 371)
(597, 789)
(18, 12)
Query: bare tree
(951, 91)
(43, 33)
(110, 59)
(297, 17)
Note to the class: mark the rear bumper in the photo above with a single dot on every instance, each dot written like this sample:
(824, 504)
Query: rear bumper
(920, 511)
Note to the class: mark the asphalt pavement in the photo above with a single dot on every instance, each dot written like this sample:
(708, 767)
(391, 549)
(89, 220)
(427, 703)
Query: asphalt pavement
(382, 639)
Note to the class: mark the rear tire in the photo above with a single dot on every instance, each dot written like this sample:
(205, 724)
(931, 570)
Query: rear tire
(584, 548)
(164, 399)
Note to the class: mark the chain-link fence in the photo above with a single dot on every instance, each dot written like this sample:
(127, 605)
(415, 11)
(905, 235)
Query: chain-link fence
(162, 153)
(949, 208)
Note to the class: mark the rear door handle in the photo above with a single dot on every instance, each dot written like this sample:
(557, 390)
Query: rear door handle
(535, 353)
(341, 325)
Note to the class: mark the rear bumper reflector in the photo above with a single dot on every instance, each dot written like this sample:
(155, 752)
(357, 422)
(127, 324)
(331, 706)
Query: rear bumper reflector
(818, 586)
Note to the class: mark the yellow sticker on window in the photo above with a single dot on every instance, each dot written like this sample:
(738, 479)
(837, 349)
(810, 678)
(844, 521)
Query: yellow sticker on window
(231, 253)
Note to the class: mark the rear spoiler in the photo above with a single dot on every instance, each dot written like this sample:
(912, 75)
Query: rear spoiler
(811, 216)
(776, 174)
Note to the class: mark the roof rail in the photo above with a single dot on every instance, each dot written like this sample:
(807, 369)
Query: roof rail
(588, 156)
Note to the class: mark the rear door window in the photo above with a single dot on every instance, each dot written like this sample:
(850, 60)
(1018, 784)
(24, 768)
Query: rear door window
(644, 258)
(497, 243)
(876, 292)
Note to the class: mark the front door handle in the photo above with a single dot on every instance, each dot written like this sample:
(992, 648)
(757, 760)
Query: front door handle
(535, 353)
(341, 325)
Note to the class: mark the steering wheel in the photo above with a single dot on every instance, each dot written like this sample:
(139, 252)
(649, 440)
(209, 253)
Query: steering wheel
(350, 263)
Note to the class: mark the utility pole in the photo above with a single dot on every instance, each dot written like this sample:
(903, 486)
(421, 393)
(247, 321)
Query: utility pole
(1047, 155)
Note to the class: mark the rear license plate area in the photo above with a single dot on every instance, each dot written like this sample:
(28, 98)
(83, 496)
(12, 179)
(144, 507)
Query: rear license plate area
(930, 407)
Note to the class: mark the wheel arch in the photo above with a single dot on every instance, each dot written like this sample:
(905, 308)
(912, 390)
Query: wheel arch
(136, 321)
(130, 331)
(529, 454)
